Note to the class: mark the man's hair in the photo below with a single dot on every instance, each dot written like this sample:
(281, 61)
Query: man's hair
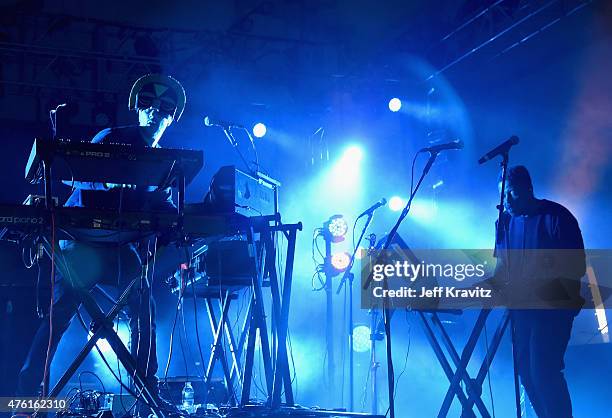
(517, 175)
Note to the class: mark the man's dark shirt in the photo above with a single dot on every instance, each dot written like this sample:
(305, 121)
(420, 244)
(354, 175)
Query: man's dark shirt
(549, 277)
(124, 199)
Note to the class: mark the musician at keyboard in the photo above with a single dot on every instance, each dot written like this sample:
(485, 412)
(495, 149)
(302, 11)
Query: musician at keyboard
(158, 101)
(540, 261)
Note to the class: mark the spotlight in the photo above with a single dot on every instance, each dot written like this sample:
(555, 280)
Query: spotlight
(340, 261)
(423, 211)
(336, 228)
(395, 104)
(396, 203)
(353, 154)
(259, 130)
(361, 338)
(343, 177)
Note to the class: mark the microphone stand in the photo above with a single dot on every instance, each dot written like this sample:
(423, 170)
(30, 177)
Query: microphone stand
(350, 276)
(386, 309)
(230, 136)
(498, 234)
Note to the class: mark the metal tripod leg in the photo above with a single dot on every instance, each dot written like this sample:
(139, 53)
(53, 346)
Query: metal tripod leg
(282, 375)
(443, 361)
(492, 349)
(473, 385)
(473, 390)
(103, 328)
(257, 323)
(217, 351)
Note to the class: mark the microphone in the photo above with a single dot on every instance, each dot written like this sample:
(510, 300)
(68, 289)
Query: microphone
(371, 209)
(52, 111)
(208, 121)
(500, 149)
(434, 149)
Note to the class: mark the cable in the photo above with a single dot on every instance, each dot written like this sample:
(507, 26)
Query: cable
(197, 328)
(396, 382)
(130, 391)
(48, 354)
(364, 394)
(489, 370)
(172, 333)
(412, 172)
(344, 326)
(407, 353)
(94, 375)
(39, 311)
(150, 294)
(145, 284)
(183, 336)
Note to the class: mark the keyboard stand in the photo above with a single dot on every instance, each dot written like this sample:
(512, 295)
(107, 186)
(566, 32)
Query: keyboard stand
(102, 327)
(473, 386)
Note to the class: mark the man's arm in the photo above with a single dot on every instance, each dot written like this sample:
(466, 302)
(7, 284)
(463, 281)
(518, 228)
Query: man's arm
(569, 237)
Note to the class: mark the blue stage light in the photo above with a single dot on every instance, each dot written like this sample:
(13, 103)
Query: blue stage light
(396, 203)
(343, 178)
(423, 211)
(259, 130)
(336, 228)
(395, 104)
(361, 338)
(340, 261)
(352, 154)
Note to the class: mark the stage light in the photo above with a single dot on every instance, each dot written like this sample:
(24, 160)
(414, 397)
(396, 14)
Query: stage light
(361, 338)
(423, 211)
(395, 104)
(340, 261)
(259, 130)
(343, 179)
(396, 203)
(352, 154)
(336, 228)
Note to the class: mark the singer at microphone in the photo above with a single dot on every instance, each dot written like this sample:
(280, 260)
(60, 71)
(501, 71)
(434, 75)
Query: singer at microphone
(371, 209)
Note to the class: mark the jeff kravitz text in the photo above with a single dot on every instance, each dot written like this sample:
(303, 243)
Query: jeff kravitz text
(398, 273)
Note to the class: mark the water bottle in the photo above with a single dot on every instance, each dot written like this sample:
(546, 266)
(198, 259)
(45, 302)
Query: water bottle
(188, 397)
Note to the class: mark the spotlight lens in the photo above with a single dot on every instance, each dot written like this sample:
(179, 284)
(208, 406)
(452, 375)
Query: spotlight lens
(337, 226)
(396, 203)
(395, 104)
(361, 338)
(340, 261)
(259, 130)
